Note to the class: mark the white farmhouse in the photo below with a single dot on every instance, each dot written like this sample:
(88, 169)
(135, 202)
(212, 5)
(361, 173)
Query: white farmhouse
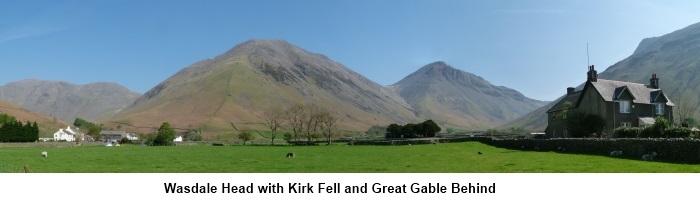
(66, 134)
(132, 136)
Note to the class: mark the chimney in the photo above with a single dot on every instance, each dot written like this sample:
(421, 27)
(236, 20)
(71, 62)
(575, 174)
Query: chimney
(569, 90)
(654, 82)
(592, 74)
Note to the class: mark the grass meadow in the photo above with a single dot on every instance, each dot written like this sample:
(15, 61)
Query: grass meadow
(442, 158)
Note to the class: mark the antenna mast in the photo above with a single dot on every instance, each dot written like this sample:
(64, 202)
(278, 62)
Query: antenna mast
(588, 57)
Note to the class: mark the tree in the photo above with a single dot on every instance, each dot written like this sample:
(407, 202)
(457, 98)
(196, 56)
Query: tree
(5, 118)
(245, 136)
(684, 110)
(581, 125)
(94, 131)
(491, 132)
(328, 126)
(430, 128)
(306, 120)
(273, 118)
(288, 137)
(165, 135)
(660, 125)
(376, 131)
(193, 135)
(311, 117)
(294, 117)
(394, 131)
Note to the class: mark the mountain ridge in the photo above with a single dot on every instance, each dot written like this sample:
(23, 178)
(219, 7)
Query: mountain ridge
(67, 101)
(461, 99)
(257, 74)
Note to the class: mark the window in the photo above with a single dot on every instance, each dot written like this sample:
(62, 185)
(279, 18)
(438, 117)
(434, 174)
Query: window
(566, 133)
(563, 116)
(624, 106)
(659, 108)
(626, 124)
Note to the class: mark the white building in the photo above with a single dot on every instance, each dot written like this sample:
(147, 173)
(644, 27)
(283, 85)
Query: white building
(132, 136)
(66, 134)
(178, 139)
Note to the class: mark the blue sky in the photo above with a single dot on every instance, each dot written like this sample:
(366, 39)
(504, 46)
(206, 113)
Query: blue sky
(535, 47)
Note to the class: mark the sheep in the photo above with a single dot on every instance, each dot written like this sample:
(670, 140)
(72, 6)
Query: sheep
(561, 149)
(649, 157)
(616, 153)
(479, 153)
(44, 154)
(290, 155)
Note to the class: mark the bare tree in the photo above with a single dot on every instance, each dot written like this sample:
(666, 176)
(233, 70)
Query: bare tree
(312, 117)
(294, 117)
(684, 109)
(308, 120)
(274, 118)
(328, 126)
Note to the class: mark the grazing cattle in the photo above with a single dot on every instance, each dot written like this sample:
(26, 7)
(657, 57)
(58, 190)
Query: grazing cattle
(290, 155)
(649, 157)
(479, 153)
(44, 154)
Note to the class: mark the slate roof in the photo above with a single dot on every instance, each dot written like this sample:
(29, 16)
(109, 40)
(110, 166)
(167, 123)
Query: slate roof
(611, 89)
(573, 98)
(107, 132)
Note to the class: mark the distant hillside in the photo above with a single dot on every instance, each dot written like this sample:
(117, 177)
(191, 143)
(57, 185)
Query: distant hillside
(47, 125)
(66, 101)
(237, 86)
(674, 57)
(454, 98)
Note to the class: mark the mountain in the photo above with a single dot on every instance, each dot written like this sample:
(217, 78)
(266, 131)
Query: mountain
(455, 98)
(674, 58)
(47, 124)
(235, 87)
(66, 101)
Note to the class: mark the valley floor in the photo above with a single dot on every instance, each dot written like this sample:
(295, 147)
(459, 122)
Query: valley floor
(442, 158)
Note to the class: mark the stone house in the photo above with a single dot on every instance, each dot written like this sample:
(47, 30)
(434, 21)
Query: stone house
(618, 103)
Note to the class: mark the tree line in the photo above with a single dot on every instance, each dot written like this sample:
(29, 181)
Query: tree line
(93, 129)
(303, 121)
(427, 128)
(14, 131)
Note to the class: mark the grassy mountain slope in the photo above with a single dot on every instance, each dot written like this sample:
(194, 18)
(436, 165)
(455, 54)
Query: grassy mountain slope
(47, 124)
(237, 86)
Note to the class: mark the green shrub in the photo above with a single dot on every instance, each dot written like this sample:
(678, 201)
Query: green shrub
(648, 132)
(627, 132)
(677, 132)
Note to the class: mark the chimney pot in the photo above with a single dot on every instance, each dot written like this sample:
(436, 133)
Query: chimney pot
(654, 82)
(570, 90)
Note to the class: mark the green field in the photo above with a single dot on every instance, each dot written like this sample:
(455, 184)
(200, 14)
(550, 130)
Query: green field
(450, 158)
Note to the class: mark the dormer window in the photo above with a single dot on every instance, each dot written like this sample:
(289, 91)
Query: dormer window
(624, 106)
(659, 108)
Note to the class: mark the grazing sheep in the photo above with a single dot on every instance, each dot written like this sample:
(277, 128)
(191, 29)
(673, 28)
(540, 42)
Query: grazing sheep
(649, 157)
(44, 154)
(479, 153)
(290, 155)
(616, 153)
(561, 149)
